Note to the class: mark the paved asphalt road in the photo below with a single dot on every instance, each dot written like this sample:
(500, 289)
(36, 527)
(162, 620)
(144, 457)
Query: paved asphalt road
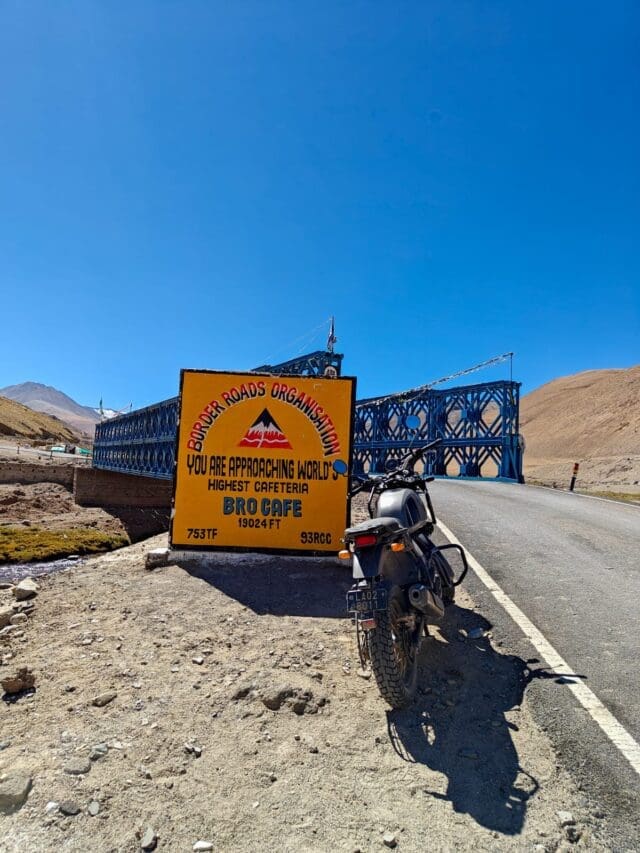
(572, 565)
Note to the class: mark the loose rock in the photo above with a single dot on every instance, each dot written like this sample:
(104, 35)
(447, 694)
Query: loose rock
(298, 699)
(19, 619)
(78, 767)
(69, 808)
(14, 791)
(27, 588)
(149, 839)
(24, 679)
(245, 691)
(389, 839)
(565, 818)
(93, 808)
(156, 557)
(573, 834)
(202, 846)
(98, 751)
(274, 697)
(5, 616)
(104, 699)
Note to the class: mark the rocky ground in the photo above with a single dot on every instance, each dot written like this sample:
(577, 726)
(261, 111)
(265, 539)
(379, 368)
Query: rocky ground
(221, 703)
(616, 474)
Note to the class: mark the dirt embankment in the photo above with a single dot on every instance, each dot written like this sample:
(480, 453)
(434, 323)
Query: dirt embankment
(221, 702)
(42, 521)
(592, 418)
(52, 506)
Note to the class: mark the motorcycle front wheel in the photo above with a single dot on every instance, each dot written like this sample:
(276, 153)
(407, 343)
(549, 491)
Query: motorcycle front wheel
(393, 651)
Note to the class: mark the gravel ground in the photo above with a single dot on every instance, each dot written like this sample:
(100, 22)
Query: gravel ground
(239, 718)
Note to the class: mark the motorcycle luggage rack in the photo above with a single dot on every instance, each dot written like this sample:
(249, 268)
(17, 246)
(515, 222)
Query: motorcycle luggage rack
(460, 550)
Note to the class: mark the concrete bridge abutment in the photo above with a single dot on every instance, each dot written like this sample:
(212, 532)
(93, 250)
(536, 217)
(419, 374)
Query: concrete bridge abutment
(95, 487)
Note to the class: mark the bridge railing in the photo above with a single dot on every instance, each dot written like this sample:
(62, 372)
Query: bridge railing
(141, 442)
(478, 425)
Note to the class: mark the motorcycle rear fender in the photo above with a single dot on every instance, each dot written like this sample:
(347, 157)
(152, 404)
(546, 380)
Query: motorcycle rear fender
(397, 567)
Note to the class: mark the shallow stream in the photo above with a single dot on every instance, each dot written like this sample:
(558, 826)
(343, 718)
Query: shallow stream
(15, 572)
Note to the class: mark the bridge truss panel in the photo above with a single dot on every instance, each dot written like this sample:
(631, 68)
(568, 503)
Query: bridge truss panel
(478, 425)
(319, 363)
(143, 442)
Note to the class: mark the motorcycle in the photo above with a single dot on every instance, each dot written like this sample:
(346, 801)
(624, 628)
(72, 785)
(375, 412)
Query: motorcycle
(402, 580)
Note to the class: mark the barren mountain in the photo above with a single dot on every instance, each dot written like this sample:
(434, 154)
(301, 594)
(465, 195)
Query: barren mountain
(22, 422)
(592, 418)
(44, 398)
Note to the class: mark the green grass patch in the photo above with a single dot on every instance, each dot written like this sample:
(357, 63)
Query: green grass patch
(617, 496)
(24, 544)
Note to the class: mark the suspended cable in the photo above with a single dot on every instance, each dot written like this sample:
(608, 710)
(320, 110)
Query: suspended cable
(415, 392)
(305, 337)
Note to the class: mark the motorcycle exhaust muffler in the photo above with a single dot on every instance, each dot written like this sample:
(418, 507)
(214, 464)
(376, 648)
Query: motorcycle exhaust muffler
(426, 601)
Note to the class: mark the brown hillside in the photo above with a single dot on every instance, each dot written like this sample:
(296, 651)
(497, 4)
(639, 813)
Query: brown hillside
(592, 418)
(21, 422)
(51, 401)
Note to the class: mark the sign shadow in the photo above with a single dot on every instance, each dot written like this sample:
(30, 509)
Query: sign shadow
(279, 586)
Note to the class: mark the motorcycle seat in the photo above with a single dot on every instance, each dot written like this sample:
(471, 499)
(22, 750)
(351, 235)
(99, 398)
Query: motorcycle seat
(385, 521)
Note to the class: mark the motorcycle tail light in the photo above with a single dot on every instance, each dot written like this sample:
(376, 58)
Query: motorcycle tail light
(365, 541)
(397, 546)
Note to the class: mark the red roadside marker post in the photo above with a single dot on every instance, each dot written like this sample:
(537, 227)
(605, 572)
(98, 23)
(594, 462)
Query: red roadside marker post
(574, 477)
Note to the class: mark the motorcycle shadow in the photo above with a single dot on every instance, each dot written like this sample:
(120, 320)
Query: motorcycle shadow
(457, 725)
(280, 586)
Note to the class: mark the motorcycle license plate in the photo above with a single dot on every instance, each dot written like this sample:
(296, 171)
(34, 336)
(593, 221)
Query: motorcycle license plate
(367, 600)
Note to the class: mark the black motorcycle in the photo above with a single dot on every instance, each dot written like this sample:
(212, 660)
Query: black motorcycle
(403, 581)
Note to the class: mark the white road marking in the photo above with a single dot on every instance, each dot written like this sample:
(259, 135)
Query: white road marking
(612, 728)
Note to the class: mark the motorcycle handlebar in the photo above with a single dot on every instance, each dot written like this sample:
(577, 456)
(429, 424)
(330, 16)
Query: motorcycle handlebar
(411, 460)
(420, 451)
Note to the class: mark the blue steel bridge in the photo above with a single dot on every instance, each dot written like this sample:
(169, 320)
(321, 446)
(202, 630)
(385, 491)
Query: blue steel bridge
(478, 425)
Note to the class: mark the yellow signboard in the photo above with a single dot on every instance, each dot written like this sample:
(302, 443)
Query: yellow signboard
(262, 462)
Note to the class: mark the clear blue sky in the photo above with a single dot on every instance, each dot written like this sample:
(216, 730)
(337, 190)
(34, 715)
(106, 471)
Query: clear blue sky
(199, 184)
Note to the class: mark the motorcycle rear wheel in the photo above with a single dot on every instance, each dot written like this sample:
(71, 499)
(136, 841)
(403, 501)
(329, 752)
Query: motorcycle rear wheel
(393, 651)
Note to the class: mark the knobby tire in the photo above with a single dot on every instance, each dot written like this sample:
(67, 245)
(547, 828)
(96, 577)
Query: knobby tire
(395, 673)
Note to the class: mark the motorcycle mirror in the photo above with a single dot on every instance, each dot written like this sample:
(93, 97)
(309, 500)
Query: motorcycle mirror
(390, 464)
(340, 466)
(412, 422)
